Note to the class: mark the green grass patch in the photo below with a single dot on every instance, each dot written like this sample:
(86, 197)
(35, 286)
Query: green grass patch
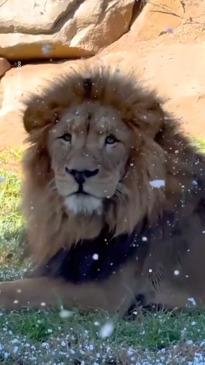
(200, 144)
(11, 221)
(11, 154)
(146, 331)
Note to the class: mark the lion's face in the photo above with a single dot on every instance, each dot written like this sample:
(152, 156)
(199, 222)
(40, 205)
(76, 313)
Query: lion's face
(89, 148)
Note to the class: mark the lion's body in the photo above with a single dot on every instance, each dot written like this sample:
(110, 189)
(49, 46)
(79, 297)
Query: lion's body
(114, 197)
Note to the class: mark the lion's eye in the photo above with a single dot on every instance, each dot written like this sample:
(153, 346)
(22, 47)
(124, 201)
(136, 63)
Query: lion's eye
(66, 137)
(111, 139)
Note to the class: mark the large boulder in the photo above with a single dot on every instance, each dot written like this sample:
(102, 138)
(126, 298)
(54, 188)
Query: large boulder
(15, 87)
(174, 70)
(180, 19)
(171, 63)
(61, 28)
(165, 48)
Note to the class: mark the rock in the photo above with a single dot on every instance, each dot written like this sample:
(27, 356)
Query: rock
(172, 64)
(61, 28)
(4, 66)
(174, 70)
(161, 17)
(157, 17)
(15, 86)
(11, 130)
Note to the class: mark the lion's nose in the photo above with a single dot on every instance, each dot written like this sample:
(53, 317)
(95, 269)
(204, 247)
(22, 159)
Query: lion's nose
(81, 175)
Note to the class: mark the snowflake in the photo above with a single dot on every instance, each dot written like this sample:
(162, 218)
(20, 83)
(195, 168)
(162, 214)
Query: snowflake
(46, 48)
(157, 183)
(65, 313)
(95, 256)
(191, 302)
(106, 330)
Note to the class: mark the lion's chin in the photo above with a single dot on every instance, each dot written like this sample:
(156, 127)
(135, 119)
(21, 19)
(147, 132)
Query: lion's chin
(84, 204)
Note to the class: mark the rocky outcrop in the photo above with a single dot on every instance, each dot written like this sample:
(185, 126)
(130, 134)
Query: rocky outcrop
(175, 71)
(4, 66)
(15, 87)
(61, 28)
(180, 19)
(170, 62)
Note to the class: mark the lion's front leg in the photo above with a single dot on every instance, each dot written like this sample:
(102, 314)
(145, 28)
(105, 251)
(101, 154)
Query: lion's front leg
(46, 292)
(113, 295)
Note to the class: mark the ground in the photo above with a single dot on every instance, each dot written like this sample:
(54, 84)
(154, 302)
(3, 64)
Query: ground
(68, 337)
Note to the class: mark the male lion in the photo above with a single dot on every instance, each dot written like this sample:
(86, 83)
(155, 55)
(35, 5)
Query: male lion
(113, 197)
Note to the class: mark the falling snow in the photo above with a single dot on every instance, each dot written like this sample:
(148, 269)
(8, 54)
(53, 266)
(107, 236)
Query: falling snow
(65, 313)
(157, 183)
(194, 183)
(106, 330)
(169, 30)
(95, 256)
(191, 302)
(46, 48)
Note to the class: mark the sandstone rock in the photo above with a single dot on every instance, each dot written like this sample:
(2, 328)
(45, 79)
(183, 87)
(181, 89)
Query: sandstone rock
(19, 82)
(160, 17)
(172, 64)
(4, 66)
(11, 130)
(175, 71)
(15, 86)
(61, 28)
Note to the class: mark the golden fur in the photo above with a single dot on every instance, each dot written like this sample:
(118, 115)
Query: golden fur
(150, 149)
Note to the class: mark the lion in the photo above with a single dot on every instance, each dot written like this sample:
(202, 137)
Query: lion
(113, 199)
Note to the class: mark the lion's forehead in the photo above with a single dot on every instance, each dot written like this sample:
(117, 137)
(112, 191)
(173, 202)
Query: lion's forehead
(93, 116)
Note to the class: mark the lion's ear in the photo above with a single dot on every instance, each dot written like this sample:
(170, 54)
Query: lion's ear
(150, 117)
(38, 114)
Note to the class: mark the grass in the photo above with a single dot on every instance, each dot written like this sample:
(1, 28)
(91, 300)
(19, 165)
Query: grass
(200, 143)
(69, 337)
